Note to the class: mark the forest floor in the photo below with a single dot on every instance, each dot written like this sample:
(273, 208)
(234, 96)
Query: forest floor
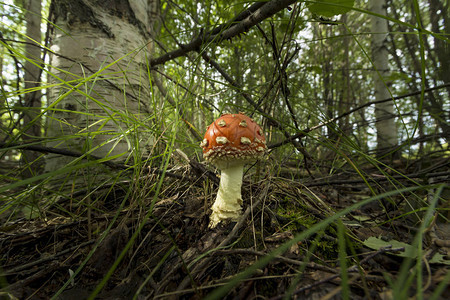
(172, 254)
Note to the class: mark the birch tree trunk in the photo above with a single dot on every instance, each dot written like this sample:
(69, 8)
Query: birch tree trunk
(440, 23)
(384, 112)
(32, 73)
(99, 67)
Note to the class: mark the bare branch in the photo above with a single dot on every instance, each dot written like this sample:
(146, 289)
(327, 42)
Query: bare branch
(251, 17)
(303, 132)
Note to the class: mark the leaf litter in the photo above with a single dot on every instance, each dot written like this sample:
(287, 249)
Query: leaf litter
(176, 256)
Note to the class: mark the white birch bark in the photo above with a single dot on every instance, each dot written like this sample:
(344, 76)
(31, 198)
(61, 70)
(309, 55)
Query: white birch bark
(384, 112)
(89, 35)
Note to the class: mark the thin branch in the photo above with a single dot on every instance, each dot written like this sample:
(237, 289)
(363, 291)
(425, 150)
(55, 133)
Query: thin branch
(290, 261)
(251, 17)
(46, 259)
(303, 132)
(381, 178)
(65, 152)
(249, 99)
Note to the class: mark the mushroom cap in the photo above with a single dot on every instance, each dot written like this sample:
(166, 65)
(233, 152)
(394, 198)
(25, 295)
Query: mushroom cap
(233, 139)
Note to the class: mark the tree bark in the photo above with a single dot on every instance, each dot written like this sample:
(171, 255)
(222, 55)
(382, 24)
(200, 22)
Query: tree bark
(384, 112)
(32, 124)
(99, 69)
(440, 23)
(432, 104)
(346, 99)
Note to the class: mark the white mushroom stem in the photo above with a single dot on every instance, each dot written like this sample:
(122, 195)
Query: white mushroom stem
(228, 202)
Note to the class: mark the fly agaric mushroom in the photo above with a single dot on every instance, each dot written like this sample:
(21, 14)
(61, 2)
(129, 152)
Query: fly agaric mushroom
(230, 142)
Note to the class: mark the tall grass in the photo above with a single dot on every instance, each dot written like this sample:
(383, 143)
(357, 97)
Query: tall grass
(150, 142)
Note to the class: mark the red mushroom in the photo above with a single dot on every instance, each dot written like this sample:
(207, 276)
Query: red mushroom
(230, 142)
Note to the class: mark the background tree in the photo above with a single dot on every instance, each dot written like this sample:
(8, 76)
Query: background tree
(384, 112)
(32, 77)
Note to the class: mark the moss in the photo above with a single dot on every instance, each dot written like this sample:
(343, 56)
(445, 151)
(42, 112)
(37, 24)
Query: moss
(297, 219)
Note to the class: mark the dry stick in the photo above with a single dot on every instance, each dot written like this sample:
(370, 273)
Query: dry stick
(378, 179)
(201, 170)
(284, 88)
(46, 259)
(250, 18)
(177, 83)
(190, 253)
(276, 50)
(25, 282)
(199, 269)
(65, 152)
(311, 265)
(353, 268)
(206, 102)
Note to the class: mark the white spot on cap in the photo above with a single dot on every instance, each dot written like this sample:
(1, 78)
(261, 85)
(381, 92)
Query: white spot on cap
(204, 143)
(221, 140)
(245, 140)
(222, 123)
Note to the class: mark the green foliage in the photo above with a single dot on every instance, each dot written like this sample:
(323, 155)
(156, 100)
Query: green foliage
(330, 8)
